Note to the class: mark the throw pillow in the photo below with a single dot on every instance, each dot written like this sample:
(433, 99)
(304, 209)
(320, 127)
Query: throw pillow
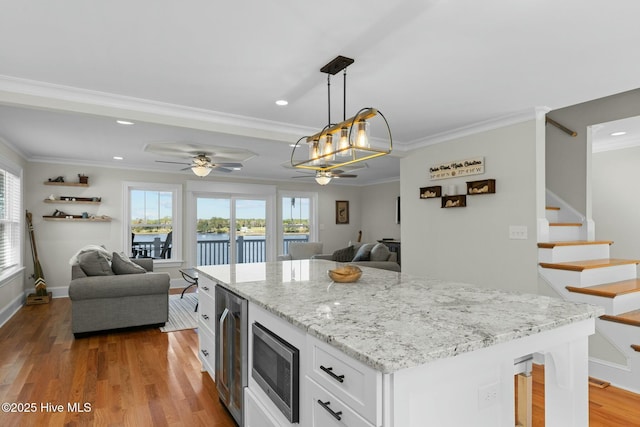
(344, 255)
(121, 264)
(363, 253)
(379, 252)
(94, 263)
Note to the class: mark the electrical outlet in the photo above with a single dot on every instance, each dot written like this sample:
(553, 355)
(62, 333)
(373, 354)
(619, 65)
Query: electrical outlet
(488, 395)
(518, 232)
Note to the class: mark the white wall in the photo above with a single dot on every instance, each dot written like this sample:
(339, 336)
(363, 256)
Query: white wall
(616, 207)
(379, 211)
(472, 244)
(58, 241)
(11, 295)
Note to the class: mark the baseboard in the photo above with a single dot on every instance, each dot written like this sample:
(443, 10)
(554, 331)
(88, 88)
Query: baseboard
(620, 376)
(58, 292)
(10, 309)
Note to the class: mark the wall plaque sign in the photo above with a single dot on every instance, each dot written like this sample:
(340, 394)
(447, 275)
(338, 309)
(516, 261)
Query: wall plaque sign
(474, 166)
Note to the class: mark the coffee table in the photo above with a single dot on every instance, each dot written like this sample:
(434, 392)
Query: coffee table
(190, 275)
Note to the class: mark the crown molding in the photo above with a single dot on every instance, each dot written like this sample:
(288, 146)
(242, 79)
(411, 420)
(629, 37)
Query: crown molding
(31, 93)
(483, 126)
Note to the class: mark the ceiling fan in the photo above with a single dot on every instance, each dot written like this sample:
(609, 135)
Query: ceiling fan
(201, 165)
(324, 177)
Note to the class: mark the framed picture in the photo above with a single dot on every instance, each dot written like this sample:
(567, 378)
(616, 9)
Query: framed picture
(342, 212)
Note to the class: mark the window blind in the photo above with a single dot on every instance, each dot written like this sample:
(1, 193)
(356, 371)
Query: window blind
(10, 220)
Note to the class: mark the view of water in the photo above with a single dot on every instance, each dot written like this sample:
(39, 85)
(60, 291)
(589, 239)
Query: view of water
(144, 238)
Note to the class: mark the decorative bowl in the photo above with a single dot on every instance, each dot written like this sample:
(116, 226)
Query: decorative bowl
(346, 274)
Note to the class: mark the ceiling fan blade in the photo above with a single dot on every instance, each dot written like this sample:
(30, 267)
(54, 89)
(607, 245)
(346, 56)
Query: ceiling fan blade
(228, 165)
(177, 163)
(219, 168)
(344, 175)
(303, 176)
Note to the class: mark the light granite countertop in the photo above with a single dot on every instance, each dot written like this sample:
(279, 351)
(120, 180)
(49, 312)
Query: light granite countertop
(392, 321)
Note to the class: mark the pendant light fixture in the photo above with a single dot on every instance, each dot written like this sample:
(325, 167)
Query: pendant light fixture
(342, 144)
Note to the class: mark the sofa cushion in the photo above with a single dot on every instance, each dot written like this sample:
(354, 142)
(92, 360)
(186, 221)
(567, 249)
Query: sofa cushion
(94, 263)
(121, 264)
(363, 253)
(344, 255)
(379, 252)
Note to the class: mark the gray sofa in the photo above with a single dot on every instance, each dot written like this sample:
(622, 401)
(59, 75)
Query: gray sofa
(389, 263)
(101, 303)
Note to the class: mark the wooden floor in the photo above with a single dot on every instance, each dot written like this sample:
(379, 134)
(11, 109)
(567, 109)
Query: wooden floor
(135, 378)
(148, 378)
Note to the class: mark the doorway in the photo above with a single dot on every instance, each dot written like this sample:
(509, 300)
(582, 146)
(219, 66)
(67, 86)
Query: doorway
(231, 230)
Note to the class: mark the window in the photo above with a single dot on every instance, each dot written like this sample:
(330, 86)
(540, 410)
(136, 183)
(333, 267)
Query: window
(299, 218)
(10, 221)
(153, 213)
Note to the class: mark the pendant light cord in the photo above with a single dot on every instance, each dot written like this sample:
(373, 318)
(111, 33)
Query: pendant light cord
(328, 99)
(344, 96)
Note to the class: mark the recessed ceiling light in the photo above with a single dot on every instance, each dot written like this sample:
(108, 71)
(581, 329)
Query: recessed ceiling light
(282, 102)
(618, 133)
(236, 169)
(118, 158)
(124, 122)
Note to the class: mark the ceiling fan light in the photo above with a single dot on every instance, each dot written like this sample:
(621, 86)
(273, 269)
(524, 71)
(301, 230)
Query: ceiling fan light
(200, 170)
(323, 179)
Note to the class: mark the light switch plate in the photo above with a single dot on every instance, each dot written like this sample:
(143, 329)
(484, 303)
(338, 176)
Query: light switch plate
(518, 232)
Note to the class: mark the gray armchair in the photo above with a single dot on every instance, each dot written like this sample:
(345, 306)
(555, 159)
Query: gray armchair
(301, 250)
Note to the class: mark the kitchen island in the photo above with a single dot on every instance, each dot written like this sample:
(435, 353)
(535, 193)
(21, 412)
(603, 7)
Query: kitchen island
(430, 352)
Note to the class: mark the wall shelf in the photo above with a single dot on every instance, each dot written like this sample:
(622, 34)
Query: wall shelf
(459, 201)
(431, 192)
(70, 202)
(76, 218)
(66, 184)
(484, 186)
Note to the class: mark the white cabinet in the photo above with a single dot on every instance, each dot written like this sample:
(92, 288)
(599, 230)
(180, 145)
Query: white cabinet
(353, 382)
(206, 325)
(326, 410)
(255, 414)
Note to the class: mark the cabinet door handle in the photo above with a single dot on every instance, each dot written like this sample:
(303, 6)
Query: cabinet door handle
(206, 288)
(325, 405)
(205, 352)
(205, 317)
(339, 378)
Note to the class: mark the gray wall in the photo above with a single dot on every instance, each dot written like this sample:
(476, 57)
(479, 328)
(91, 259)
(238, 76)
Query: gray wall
(472, 244)
(567, 161)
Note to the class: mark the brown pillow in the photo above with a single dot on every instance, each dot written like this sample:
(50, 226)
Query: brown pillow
(121, 264)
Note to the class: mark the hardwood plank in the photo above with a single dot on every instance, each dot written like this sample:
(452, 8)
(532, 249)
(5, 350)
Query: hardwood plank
(551, 245)
(140, 377)
(588, 264)
(609, 290)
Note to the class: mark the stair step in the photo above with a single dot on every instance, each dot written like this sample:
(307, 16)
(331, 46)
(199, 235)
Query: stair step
(565, 224)
(636, 347)
(551, 245)
(609, 290)
(552, 208)
(631, 318)
(589, 264)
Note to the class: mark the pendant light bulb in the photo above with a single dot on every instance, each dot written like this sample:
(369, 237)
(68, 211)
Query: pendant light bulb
(343, 143)
(362, 139)
(314, 152)
(328, 152)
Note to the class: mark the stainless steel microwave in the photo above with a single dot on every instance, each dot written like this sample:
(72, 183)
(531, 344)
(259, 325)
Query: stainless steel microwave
(276, 368)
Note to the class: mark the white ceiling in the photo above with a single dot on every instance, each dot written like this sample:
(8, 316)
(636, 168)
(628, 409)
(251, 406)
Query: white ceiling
(208, 73)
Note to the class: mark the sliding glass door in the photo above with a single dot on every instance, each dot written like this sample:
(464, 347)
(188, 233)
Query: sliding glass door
(231, 230)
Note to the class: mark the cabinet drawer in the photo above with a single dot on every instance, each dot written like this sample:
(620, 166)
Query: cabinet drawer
(326, 410)
(206, 310)
(353, 382)
(207, 286)
(207, 351)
